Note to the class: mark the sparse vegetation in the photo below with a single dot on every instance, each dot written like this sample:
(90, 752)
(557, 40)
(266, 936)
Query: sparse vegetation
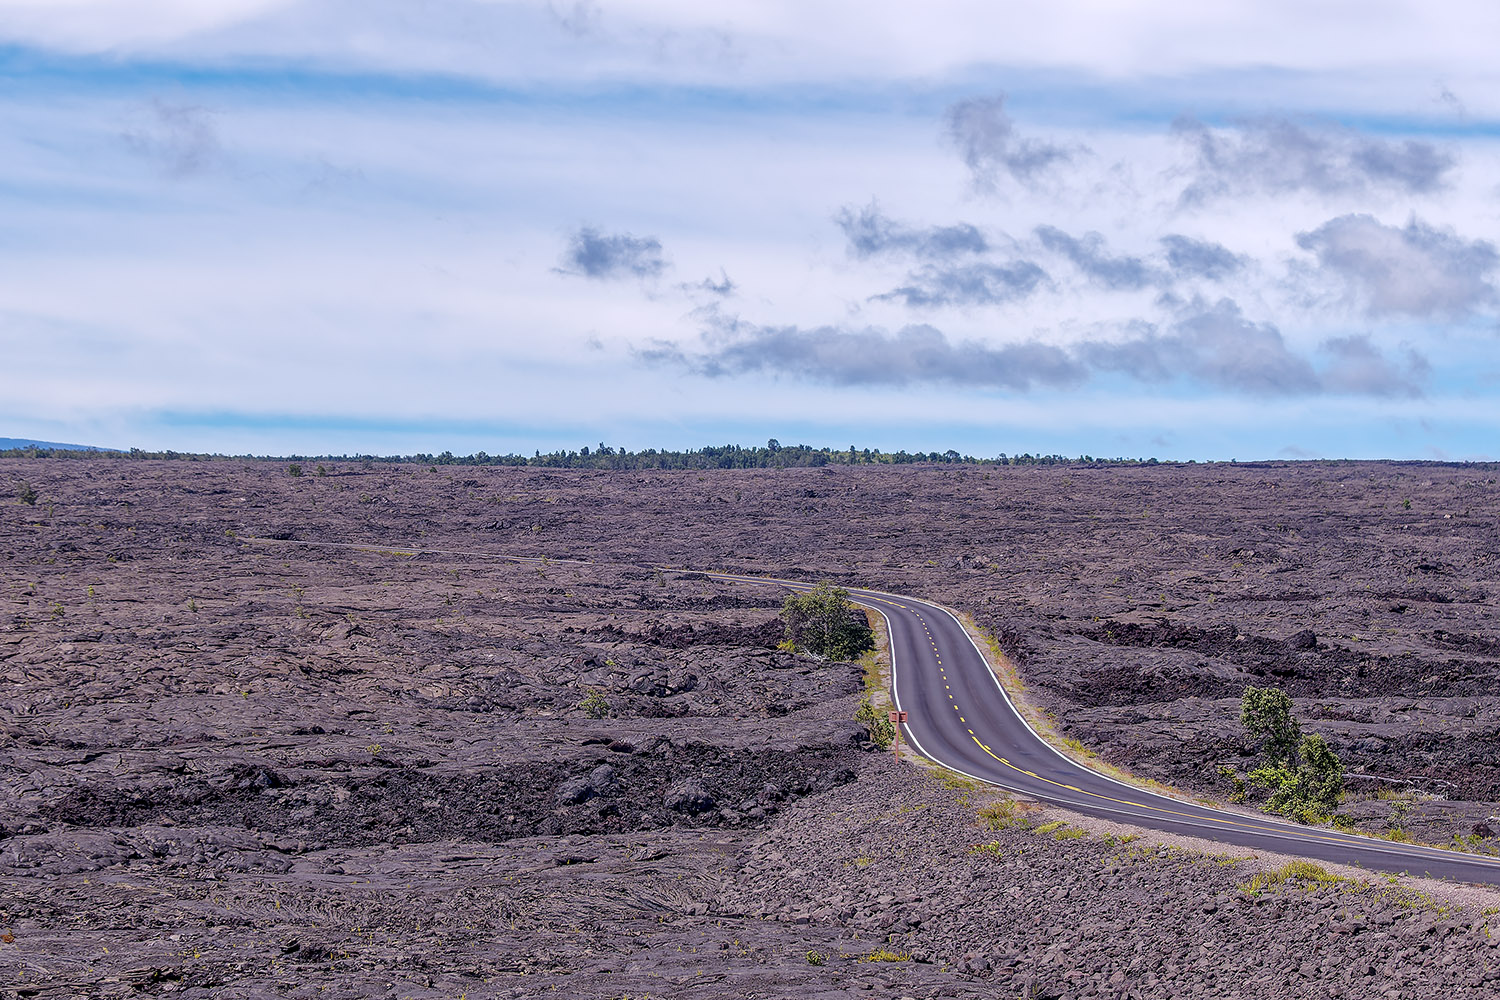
(1078, 747)
(1237, 788)
(1001, 814)
(433, 682)
(877, 723)
(1300, 874)
(25, 493)
(294, 470)
(595, 705)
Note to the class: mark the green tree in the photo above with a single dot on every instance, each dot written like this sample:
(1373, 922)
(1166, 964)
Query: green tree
(1267, 714)
(1320, 779)
(1311, 791)
(823, 622)
(25, 493)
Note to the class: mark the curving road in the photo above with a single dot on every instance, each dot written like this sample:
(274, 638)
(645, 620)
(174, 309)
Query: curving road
(960, 717)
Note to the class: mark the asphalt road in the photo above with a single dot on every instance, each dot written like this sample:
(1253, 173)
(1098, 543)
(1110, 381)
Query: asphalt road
(960, 717)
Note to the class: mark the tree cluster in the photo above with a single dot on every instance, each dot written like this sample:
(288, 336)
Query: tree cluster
(773, 455)
(821, 621)
(1304, 776)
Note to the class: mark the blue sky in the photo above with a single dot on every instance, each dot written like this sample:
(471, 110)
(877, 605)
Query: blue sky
(1256, 231)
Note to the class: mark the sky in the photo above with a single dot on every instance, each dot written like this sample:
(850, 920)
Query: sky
(1248, 230)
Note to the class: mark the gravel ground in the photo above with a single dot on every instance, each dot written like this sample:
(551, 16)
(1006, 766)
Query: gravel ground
(239, 768)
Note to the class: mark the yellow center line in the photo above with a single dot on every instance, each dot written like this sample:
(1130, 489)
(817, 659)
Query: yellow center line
(1171, 812)
(1209, 816)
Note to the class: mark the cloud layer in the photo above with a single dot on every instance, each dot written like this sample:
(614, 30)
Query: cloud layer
(936, 217)
(1276, 155)
(986, 139)
(1417, 270)
(1209, 344)
(871, 233)
(604, 256)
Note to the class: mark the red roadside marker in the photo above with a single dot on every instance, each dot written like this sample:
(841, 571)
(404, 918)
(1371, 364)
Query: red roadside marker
(896, 719)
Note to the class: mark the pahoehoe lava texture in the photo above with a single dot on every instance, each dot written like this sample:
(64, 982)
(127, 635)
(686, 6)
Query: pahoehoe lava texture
(255, 768)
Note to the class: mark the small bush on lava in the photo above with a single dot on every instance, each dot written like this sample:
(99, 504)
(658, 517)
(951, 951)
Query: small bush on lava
(595, 705)
(876, 723)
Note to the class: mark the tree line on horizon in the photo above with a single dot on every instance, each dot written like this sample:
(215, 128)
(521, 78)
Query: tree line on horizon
(771, 455)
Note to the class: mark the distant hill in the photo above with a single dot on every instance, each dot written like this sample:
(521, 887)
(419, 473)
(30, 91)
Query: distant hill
(7, 443)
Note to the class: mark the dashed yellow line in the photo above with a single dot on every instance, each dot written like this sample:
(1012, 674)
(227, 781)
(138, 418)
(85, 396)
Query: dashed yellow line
(1211, 818)
(1141, 805)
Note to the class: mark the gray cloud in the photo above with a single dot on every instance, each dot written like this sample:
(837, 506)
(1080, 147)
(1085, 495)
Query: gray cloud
(1089, 256)
(1190, 258)
(1277, 155)
(1358, 368)
(723, 288)
(593, 254)
(181, 138)
(870, 233)
(1217, 345)
(1211, 344)
(871, 356)
(969, 285)
(940, 282)
(1451, 100)
(580, 20)
(986, 138)
(1416, 271)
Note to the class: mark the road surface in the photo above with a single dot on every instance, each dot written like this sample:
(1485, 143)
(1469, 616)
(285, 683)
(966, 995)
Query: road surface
(960, 717)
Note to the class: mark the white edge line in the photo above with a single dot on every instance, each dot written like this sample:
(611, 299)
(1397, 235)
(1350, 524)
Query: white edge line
(1270, 827)
(1292, 832)
(1368, 844)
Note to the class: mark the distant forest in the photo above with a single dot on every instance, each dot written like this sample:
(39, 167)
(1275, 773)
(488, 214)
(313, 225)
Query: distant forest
(771, 455)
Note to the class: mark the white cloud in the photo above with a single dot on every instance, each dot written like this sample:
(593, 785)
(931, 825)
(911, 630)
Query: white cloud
(319, 248)
(112, 25)
(1395, 51)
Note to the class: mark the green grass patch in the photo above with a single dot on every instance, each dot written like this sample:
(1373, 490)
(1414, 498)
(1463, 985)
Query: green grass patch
(1001, 815)
(1300, 874)
(1077, 747)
